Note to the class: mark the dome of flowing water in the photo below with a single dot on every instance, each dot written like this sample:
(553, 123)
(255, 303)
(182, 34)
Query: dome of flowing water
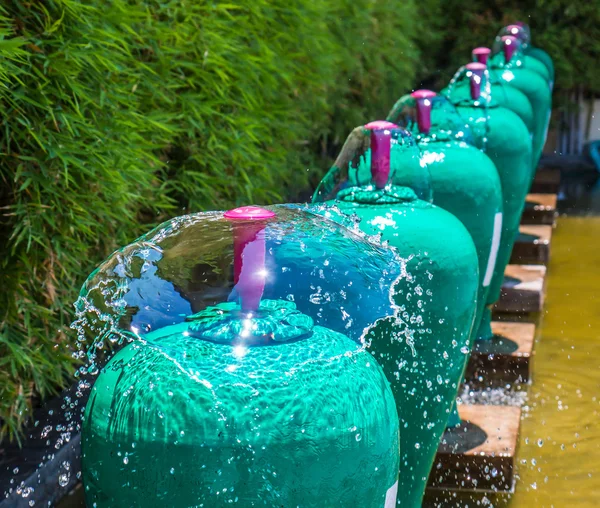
(228, 366)
(380, 179)
(515, 69)
(535, 58)
(464, 180)
(503, 94)
(503, 136)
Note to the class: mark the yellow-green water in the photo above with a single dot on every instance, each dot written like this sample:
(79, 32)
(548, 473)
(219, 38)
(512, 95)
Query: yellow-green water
(559, 450)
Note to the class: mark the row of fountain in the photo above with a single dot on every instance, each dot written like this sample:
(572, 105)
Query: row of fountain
(311, 355)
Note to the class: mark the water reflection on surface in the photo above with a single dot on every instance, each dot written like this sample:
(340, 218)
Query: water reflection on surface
(559, 454)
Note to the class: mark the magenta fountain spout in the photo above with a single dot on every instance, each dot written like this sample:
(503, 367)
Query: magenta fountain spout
(249, 253)
(524, 30)
(481, 55)
(477, 71)
(423, 99)
(510, 44)
(381, 144)
(517, 30)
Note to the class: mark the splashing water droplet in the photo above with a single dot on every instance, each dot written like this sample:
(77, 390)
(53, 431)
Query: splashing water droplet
(63, 480)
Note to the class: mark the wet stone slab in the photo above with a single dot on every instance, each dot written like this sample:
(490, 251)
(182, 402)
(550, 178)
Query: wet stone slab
(522, 289)
(532, 245)
(504, 359)
(479, 455)
(540, 209)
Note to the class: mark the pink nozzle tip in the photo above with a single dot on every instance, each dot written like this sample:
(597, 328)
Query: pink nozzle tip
(381, 145)
(477, 71)
(249, 213)
(481, 55)
(517, 31)
(510, 44)
(423, 109)
(476, 66)
(249, 254)
(379, 125)
(423, 94)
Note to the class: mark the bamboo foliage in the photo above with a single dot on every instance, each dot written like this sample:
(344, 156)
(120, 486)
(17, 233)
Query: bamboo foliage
(117, 114)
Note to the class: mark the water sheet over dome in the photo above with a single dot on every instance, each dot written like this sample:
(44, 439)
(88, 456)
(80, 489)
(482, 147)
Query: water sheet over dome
(427, 115)
(531, 77)
(193, 266)
(520, 31)
(400, 163)
(471, 87)
(504, 137)
(237, 374)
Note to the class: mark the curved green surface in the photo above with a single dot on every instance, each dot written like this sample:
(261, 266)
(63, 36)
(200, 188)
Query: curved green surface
(465, 183)
(503, 95)
(512, 98)
(528, 62)
(353, 165)
(535, 65)
(504, 138)
(538, 91)
(182, 421)
(423, 355)
(545, 58)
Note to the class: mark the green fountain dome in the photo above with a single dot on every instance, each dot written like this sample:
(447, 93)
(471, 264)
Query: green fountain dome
(473, 80)
(521, 32)
(530, 77)
(424, 353)
(471, 87)
(504, 137)
(229, 365)
(530, 50)
(430, 116)
(465, 181)
(399, 165)
(504, 94)
(512, 48)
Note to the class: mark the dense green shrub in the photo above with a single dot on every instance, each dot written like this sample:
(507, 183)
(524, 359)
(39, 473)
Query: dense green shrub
(116, 114)
(568, 30)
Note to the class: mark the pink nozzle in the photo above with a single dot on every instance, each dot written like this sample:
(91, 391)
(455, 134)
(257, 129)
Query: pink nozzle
(249, 212)
(481, 55)
(381, 144)
(476, 78)
(517, 31)
(249, 253)
(380, 125)
(423, 94)
(423, 98)
(510, 45)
